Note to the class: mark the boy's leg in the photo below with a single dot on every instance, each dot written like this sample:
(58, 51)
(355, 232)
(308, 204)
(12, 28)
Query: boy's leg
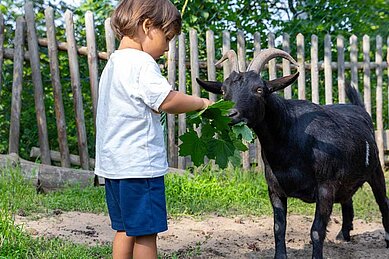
(123, 246)
(145, 247)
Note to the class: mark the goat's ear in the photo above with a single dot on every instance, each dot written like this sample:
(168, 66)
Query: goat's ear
(211, 86)
(281, 83)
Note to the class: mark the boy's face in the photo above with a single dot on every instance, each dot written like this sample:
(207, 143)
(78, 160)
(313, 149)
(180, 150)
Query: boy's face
(155, 42)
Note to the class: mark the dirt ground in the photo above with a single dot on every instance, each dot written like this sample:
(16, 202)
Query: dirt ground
(220, 237)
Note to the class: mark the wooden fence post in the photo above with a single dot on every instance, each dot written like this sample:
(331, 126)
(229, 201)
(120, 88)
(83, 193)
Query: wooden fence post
(328, 69)
(1, 48)
(315, 69)
(242, 66)
(171, 118)
(354, 61)
(341, 68)
(57, 88)
(109, 37)
(76, 89)
(92, 60)
(38, 85)
(211, 69)
(226, 47)
(366, 73)
(272, 62)
(301, 69)
(379, 117)
(16, 103)
(286, 64)
(181, 88)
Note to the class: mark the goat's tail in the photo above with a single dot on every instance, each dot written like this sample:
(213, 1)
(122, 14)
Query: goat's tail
(353, 95)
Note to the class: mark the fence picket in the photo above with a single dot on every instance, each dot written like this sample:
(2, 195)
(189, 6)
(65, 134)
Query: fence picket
(76, 89)
(286, 64)
(341, 68)
(92, 60)
(327, 69)
(33, 50)
(211, 69)
(194, 61)
(354, 60)
(272, 63)
(171, 118)
(257, 145)
(242, 66)
(17, 85)
(366, 73)
(301, 69)
(379, 97)
(57, 88)
(109, 37)
(315, 69)
(1, 48)
(226, 47)
(181, 88)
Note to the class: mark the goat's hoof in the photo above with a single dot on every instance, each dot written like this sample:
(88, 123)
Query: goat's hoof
(343, 236)
(387, 243)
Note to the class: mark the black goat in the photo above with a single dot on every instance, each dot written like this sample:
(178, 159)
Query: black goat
(317, 153)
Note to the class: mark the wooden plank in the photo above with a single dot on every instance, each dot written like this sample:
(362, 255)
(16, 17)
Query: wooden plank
(211, 69)
(194, 62)
(379, 100)
(242, 67)
(366, 73)
(109, 37)
(92, 60)
(181, 88)
(57, 88)
(354, 60)
(301, 69)
(32, 39)
(315, 69)
(327, 69)
(272, 63)
(17, 85)
(341, 69)
(286, 64)
(257, 145)
(76, 89)
(1, 49)
(226, 47)
(171, 118)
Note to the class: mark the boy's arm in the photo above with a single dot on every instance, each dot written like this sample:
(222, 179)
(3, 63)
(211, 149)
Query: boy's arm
(177, 102)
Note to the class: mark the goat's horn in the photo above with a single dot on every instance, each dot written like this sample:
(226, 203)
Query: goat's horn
(231, 55)
(265, 55)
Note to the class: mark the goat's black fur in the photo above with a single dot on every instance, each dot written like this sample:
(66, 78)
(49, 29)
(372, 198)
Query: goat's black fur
(317, 153)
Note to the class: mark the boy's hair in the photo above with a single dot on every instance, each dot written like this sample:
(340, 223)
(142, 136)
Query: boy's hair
(130, 13)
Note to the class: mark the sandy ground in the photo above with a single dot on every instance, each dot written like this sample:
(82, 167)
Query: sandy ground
(220, 237)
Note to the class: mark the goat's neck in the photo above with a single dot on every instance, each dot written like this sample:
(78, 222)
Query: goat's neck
(274, 128)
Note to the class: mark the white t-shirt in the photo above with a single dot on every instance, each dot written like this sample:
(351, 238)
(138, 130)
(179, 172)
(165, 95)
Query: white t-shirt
(129, 134)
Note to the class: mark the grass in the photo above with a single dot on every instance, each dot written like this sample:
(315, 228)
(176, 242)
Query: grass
(229, 192)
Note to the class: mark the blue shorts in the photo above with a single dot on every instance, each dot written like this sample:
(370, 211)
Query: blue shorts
(137, 206)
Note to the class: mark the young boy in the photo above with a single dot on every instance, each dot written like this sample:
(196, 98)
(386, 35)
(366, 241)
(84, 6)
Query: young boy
(130, 149)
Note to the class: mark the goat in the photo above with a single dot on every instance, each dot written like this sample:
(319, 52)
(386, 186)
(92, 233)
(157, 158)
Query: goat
(318, 153)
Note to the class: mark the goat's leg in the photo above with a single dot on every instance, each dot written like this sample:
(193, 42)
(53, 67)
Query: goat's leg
(347, 217)
(377, 183)
(279, 211)
(324, 203)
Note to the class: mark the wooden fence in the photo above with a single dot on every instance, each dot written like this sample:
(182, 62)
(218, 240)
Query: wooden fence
(177, 65)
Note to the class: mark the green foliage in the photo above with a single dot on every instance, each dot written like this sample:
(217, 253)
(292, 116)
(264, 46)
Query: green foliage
(216, 141)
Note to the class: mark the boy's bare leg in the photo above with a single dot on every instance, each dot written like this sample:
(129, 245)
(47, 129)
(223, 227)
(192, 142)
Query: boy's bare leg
(145, 247)
(123, 246)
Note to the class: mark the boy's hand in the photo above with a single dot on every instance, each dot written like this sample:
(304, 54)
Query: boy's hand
(206, 103)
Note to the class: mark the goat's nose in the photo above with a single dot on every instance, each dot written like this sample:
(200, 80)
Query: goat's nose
(233, 113)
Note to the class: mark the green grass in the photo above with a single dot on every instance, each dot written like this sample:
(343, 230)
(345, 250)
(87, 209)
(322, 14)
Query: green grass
(229, 192)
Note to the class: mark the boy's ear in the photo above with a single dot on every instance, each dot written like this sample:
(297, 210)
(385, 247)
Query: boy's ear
(146, 25)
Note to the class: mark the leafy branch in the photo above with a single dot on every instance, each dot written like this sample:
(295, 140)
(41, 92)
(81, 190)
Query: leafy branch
(213, 137)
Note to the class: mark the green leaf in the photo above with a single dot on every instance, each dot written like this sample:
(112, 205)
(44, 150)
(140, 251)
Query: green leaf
(193, 146)
(221, 150)
(241, 129)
